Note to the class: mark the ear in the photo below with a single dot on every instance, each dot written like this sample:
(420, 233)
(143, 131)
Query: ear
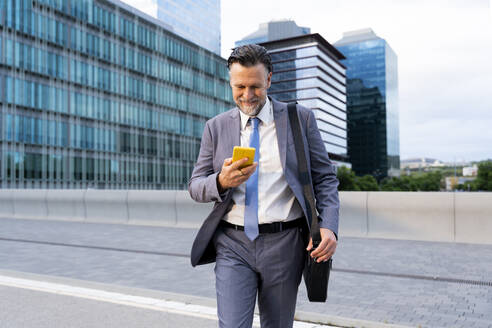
(269, 80)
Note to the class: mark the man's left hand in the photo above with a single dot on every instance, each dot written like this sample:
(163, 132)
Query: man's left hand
(326, 247)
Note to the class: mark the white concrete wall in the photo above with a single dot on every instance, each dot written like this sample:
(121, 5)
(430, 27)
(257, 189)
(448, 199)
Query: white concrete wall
(108, 206)
(431, 216)
(190, 213)
(7, 203)
(473, 213)
(353, 213)
(65, 204)
(30, 203)
(152, 207)
(411, 215)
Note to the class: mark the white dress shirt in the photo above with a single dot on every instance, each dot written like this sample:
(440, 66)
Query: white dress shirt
(276, 201)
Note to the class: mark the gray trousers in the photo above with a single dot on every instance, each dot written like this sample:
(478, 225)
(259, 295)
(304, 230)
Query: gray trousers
(271, 266)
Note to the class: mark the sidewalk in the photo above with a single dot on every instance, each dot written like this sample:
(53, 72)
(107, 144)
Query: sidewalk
(42, 301)
(400, 282)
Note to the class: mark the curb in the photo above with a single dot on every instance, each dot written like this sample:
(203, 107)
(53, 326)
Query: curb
(325, 319)
(300, 316)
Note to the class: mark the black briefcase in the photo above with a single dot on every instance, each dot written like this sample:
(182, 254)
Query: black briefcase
(315, 274)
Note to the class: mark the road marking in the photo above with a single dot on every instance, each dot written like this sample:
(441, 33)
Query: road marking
(200, 311)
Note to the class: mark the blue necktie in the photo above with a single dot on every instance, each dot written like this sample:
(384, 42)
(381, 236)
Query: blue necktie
(251, 209)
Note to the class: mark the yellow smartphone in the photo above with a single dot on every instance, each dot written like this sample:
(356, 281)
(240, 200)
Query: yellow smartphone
(242, 152)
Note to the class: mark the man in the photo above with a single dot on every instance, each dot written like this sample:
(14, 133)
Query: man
(257, 231)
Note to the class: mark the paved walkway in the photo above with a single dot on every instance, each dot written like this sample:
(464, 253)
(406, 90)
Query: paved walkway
(28, 308)
(389, 281)
(37, 301)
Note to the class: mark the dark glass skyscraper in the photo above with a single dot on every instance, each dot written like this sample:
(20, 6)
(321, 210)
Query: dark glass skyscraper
(372, 103)
(95, 94)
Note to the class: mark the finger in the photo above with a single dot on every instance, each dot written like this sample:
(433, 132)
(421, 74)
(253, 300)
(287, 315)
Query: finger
(249, 166)
(238, 163)
(310, 245)
(247, 173)
(321, 246)
(326, 242)
(333, 248)
(321, 249)
(227, 161)
(323, 258)
(241, 174)
(250, 169)
(241, 178)
(327, 253)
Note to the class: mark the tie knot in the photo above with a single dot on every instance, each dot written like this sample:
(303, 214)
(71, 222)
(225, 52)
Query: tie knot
(255, 121)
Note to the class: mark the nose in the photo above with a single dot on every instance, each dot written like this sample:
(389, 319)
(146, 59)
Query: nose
(248, 93)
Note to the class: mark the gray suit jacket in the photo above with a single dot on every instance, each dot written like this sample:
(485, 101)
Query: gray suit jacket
(222, 133)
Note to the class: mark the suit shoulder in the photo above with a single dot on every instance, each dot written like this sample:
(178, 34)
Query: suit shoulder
(218, 119)
(303, 110)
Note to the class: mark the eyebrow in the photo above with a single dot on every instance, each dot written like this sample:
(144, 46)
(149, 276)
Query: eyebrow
(242, 85)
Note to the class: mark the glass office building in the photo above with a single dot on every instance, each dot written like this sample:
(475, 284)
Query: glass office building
(372, 103)
(195, 20)
(274, 30)
(307, 69)
(95, 94)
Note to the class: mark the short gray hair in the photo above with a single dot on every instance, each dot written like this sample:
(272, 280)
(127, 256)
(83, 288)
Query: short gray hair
(250, 55)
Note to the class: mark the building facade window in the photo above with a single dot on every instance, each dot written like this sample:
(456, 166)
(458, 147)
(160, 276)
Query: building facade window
(307, 69)
(96, 96)
(372, 104)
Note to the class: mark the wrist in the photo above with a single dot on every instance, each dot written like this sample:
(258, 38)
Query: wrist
(220, 188)
(329, 232)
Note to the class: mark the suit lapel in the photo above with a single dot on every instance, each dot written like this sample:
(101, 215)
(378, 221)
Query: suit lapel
(234, 131)
(280, 117)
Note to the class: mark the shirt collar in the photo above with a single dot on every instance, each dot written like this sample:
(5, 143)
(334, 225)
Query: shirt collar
(265, 115)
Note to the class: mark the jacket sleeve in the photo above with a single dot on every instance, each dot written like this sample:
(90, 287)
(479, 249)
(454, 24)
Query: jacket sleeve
(203, 182)
(323, 176)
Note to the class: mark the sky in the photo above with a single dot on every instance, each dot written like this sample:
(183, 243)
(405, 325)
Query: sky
(444, 50)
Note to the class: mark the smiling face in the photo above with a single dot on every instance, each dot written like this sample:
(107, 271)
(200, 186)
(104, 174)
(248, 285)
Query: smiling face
(249, 87)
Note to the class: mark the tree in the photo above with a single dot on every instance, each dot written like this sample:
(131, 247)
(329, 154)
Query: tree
(367, 183)
(430, 181)
(459, 186)
(403, 183)
(470, 186)
(484, 176)
(347, 179)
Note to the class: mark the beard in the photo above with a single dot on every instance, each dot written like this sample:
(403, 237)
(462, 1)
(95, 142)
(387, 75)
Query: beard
(253, 108)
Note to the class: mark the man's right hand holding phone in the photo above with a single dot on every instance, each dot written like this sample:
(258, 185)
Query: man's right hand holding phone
(232, 176)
